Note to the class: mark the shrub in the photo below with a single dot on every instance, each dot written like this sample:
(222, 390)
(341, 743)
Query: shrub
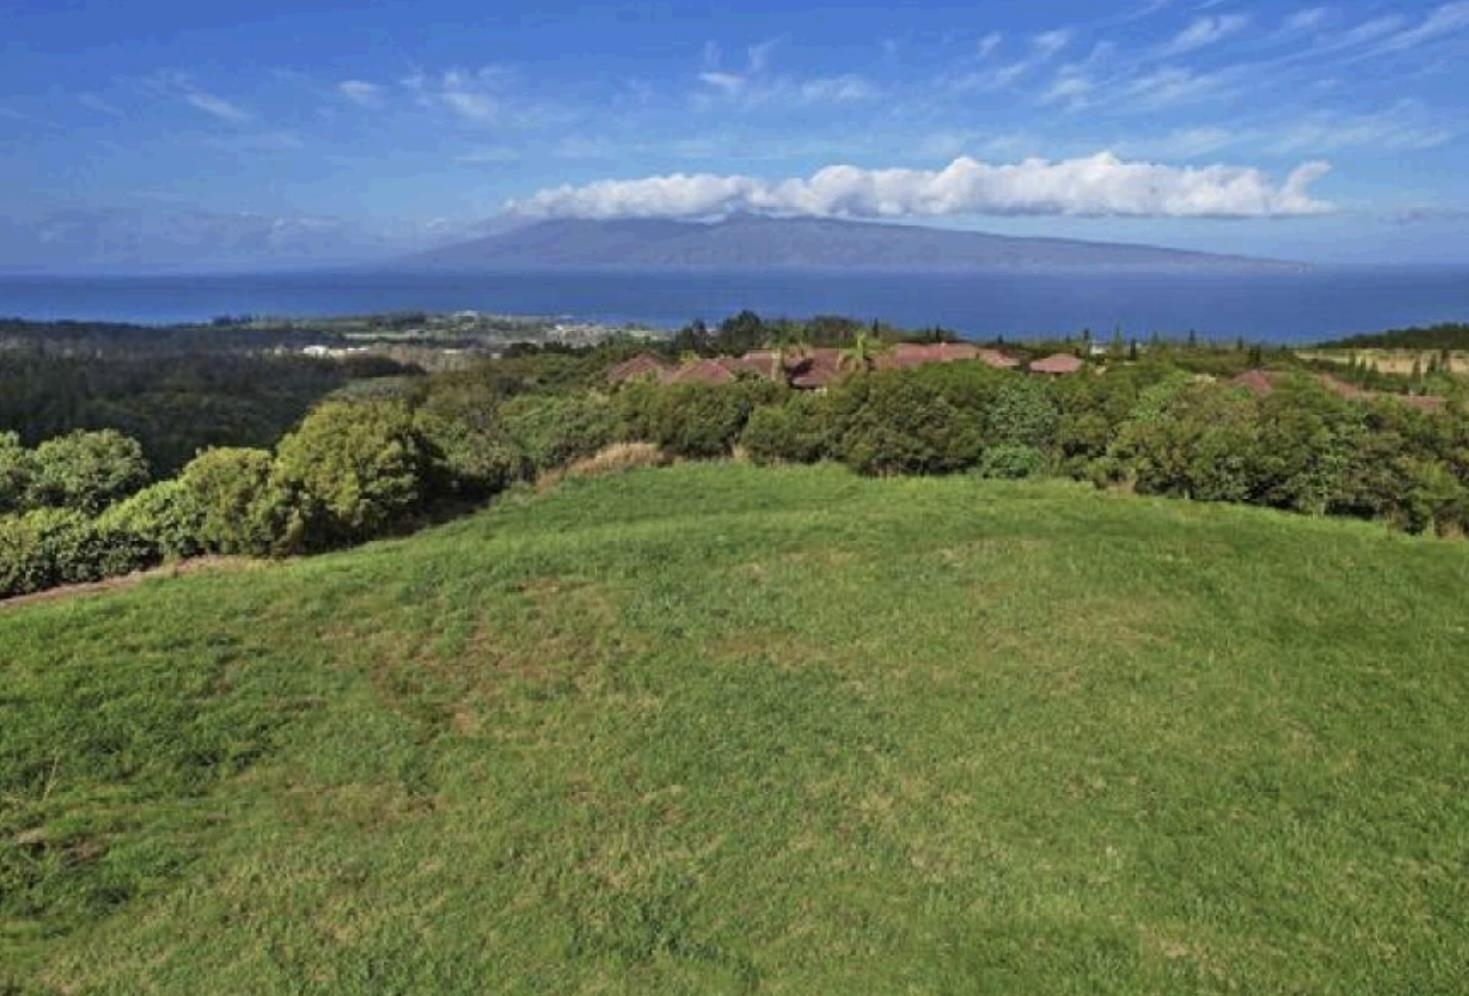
(15, 473)
(700, 420)
(553, 431)
(86, 471)
(891, 423)
(166, 517)
(1009, 461)
(636, 403)
(465, 460)
(352, 470)
(1022, 414)
(798, 431)
(240, 507)
(1197, 442)
(1433, 498)
(1308, 441)
(51, 546)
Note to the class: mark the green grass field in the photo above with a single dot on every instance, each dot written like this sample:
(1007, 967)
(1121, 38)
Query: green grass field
(720, 729)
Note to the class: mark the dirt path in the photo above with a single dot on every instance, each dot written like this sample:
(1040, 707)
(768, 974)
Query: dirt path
(178, 569)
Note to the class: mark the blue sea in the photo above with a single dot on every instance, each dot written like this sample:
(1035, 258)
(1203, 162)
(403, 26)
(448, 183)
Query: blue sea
(1275, 307)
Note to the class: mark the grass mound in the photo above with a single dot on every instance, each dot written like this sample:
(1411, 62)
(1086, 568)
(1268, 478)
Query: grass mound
(720, 729)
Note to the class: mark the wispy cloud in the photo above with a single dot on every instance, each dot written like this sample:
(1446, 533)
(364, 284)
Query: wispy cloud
(361, 92)
(216, 106)
(1099, 185)
(1043, 48)
(474, 96)
(989, 43)
(181, 86)
(1447, 19)
(1307, 19)
(93, 102)
(1404, 127)
(1202, 32)
(757, 84)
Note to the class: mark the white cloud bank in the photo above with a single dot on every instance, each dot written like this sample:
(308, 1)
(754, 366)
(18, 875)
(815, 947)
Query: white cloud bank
(1099, 185)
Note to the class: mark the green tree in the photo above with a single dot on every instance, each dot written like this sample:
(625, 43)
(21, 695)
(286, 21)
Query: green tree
(86, 471)
(16, 469)
(353, 470)
(892, 423)
(241, 507)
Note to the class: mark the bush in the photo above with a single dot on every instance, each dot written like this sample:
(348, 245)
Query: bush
(352, 470)
(86, 471)
(1022, 414)
(1309, 439)
(700, 420)
(467, 461)
(891, 423)
(636, 403)
(1011, 462)
(798, 431)
(1433, 498)
(165, 517)
(52, 546)
(242, 508)
(15, 473)
(1196, 442)
(554, 431)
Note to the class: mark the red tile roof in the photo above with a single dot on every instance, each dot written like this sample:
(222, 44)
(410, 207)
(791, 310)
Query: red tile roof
(1254, 381)
(995, 358)
(815, 368)
(642, 365)
(1057, 363)
(701, 372)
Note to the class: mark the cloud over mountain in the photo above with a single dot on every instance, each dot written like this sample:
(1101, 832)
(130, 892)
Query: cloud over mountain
(1097, 186)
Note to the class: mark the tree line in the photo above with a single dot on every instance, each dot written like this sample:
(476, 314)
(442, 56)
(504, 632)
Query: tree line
(81, 506)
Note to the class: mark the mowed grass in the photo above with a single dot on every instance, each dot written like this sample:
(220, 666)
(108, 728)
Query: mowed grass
(720, 729)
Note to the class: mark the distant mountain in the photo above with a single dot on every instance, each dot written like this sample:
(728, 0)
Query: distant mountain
(750, 242)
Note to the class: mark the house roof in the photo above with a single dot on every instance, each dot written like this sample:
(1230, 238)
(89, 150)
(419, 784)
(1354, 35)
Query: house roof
(817, 368)
(1255, 381)
(761, 362)
(995, 358)
(701, 372)
(642, 365)
(1057, 363)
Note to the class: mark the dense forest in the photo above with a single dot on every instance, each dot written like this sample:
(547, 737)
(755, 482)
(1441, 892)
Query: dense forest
(1449, 335)
(175, 390)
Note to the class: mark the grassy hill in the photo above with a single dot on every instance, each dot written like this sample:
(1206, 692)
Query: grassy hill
(719, 729)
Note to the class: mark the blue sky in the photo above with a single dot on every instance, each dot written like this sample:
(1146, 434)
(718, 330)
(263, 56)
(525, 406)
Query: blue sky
(160, 132)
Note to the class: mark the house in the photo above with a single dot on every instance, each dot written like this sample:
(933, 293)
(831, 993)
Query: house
(816, 369)
(701, 372)
(1255, 381)
(1056, 365)
(642, 366)
(762, 363)
(997, 359)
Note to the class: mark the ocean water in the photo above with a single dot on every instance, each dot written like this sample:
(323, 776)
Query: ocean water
(1275, 307)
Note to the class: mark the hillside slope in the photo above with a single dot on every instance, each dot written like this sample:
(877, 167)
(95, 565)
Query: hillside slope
(747, 242)
(720, 729)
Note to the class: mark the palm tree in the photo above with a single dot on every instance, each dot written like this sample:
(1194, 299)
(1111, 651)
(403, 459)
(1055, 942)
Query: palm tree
(862, 355)
(787, 341)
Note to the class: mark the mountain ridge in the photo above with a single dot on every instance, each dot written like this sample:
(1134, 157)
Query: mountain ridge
(758, 242)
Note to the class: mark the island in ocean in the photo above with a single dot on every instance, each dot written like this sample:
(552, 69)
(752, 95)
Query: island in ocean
(756, 242)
